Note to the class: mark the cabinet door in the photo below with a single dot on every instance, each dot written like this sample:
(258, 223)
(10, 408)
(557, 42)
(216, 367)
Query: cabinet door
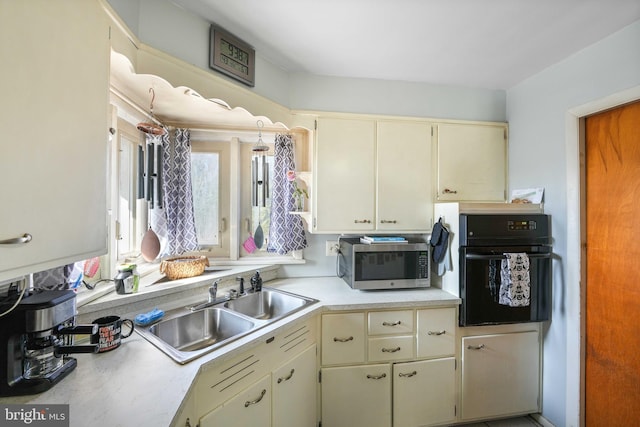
(344, 175)
(54, 120)
(472, 162)
(424, 393)
(404, 201)
(294, 391)
(436, 332)
(343, 338)
(251, 407)
(356, 396)
(500, 375)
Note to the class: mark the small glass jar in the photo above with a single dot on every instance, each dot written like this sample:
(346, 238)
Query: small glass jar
(127, 279)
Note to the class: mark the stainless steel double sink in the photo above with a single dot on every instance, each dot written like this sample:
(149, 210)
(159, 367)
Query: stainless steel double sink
(185, 335)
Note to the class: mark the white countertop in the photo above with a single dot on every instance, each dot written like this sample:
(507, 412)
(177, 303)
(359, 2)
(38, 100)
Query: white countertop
(138, 385)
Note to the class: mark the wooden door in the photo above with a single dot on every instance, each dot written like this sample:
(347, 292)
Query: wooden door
(612, 365)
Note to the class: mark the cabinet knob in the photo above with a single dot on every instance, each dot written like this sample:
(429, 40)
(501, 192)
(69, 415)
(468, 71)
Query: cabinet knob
(449, 191)
(25, 238)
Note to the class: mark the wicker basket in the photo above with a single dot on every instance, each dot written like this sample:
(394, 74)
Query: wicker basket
(183, 266)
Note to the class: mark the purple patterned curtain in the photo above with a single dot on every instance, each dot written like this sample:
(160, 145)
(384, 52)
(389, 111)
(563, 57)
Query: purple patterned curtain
(286, 231)
(174, 223)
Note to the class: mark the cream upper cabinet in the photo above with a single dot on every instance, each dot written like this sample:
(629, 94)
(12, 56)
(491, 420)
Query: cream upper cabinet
(471, 162)
(403, 153)
(500, 375)
(372, 175)
(54, 110)
(344, 175)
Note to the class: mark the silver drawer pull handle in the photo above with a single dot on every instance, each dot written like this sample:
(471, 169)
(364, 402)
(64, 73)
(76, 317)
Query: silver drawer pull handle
(336, 339)
(25, 238)
(287, 378)
(377, 377)
(253, 402)
(388, 221)
(408, 374)
(391, 350)
(475, 347)
(362, 221)
(442, 332)
(396, 323)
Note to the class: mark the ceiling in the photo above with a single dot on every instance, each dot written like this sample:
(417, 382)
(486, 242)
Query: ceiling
(493, 44)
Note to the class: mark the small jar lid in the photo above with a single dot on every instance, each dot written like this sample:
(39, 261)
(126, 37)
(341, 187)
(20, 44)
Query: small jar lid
(126, 267)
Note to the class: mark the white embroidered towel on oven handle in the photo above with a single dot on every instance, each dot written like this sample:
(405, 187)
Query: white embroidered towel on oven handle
(515, 284)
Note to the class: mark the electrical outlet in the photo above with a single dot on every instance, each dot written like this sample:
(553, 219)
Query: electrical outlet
(332, 248)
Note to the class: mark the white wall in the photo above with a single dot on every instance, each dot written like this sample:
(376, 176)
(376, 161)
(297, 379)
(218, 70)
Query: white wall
(543, 153)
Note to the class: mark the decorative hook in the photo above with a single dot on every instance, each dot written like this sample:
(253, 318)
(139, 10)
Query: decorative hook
(153, 98)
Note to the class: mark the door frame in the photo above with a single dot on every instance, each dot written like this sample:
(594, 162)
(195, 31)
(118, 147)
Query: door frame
(576, 235)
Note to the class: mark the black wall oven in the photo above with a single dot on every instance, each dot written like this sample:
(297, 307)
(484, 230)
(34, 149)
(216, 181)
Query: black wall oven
(485, 241)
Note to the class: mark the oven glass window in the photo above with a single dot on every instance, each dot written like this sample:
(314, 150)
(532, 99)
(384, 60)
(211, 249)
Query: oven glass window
(480, 285)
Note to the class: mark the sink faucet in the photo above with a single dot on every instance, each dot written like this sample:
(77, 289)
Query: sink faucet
(213, 290)
(256, 282)
(212, 300)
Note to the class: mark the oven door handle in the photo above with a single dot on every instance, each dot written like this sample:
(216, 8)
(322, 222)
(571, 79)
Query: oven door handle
(497, 257)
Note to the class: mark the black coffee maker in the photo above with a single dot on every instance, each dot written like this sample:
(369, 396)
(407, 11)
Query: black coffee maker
(36, 337)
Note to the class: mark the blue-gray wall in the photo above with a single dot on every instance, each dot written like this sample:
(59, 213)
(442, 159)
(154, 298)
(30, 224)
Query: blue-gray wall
(537, 112)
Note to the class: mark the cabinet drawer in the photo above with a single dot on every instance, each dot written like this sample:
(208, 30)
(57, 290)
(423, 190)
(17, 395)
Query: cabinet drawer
(436, 332)
(390, 348)
(391, 322)
(343, 338)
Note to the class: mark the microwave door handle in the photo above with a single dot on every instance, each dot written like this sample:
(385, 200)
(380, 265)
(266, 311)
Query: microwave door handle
(499, 257)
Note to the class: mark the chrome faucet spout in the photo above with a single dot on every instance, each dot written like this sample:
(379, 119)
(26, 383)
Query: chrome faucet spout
(213, 290)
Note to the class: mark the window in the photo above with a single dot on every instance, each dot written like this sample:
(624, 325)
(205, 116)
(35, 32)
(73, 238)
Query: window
(210, 173)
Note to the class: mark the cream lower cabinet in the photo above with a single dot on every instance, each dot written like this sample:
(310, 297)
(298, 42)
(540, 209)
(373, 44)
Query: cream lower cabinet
(356, 396)
(294, 391)
(251, 407)
(273, 384)
(500, 375)
(424, 392)
(392, 376)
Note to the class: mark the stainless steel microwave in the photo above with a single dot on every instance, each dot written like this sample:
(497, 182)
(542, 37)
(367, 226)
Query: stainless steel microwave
(371, 266)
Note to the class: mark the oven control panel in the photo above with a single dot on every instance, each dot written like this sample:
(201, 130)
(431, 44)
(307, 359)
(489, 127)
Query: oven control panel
(521, 225)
